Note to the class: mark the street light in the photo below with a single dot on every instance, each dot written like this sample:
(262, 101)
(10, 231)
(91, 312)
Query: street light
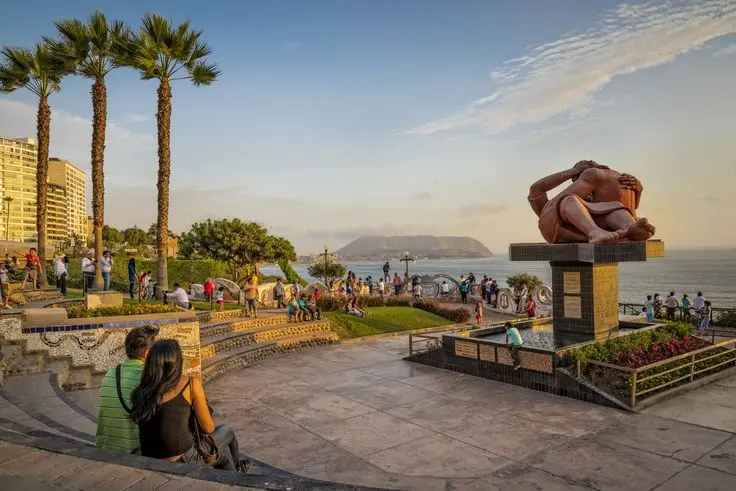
(326, 286)
(406, 260)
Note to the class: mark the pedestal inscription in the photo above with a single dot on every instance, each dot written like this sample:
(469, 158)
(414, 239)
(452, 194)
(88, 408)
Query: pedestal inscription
(468, 350)
(571, 282)
(573, 307)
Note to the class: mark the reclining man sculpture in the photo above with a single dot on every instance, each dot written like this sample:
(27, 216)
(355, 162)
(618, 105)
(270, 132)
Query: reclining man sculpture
(599, 206)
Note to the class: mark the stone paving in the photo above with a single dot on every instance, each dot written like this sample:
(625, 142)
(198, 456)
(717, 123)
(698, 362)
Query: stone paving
(357, 413)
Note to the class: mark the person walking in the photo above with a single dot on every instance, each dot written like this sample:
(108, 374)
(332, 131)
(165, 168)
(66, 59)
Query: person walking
(671, 303)
(106, 266)
(88, 271)
(132, 278)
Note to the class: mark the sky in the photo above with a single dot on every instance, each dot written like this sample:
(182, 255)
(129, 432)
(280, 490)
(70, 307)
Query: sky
(335, 119)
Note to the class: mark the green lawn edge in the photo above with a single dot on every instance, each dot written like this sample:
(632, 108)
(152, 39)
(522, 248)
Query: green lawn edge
(382, 320)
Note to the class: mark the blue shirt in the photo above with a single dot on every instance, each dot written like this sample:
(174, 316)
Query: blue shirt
(649, 305)
(515, 336)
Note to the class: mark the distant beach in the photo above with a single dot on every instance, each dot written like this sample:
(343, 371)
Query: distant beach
(711, 271)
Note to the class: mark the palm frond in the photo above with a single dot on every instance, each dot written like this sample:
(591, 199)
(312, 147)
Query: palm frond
(204, 73)
(39, 70)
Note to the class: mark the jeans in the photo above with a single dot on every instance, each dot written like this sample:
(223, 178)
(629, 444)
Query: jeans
(227, 444)
(650, 316)
(106, 279)
(704, 322)
(132, 285)
(89, 281)
(61, 283)
(464, 297)
(397, 290)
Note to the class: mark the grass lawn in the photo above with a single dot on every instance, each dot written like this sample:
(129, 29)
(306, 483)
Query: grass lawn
(380, 320)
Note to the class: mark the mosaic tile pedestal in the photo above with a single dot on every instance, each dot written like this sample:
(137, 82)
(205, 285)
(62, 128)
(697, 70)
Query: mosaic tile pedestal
(585, 282)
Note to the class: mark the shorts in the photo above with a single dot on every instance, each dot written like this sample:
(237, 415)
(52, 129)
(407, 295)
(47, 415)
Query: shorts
(251, 303)
(478, 319)
(220, 302)
(30, 275)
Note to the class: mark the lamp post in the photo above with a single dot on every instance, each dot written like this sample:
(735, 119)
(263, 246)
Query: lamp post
(406, 260)
(326, 285)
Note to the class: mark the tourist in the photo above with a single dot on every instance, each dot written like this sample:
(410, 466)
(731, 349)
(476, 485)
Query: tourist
(698, 303)
(106, 267)
(144, 282)
(279, 293)
(658, 304)
(88, 271)
(381, 287)
(5, 287)
(316, 294)
(445, 289)
(478, 313)
(649, 306)
(685, 305)
(705, 313)
(251, 298)
(116, 432)
(132, 276)
(312, 304)
(671, 304)
(471, 281)
(220, 298)
(351, 308)
(33, 266)
(179, 297)
(644, 313)
(484, 287)
(294, 313)
(7, 262)
(60, 274)
(417, 291)
(208, 290)
(306, 309)
(493, 295)
(296, 289)
(66, 263)
(513, 335)
(464, 287)
(386, 271)
(531, 307)
(397, 284)
(14, 265)
(162, 405)
(369, 282)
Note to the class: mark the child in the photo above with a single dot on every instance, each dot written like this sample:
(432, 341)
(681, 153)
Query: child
(381, 287)
(478, 313)
(220, 298)
(417, 291)
(514, 342)
(293, 310)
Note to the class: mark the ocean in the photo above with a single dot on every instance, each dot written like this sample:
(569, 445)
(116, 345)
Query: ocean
(712, 271)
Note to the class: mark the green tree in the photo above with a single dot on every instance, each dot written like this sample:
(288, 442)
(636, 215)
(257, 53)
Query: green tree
(327, 271)
(111, 235)
(89, 50)
(135, 237)
(39, 71)
(160, 51)
(518, 283)
(241, 245)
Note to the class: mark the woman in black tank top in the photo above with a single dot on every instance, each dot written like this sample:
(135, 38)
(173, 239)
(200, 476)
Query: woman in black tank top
(163, 404)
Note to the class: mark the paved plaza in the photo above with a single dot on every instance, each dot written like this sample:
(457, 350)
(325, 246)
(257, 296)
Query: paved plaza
(357, 413)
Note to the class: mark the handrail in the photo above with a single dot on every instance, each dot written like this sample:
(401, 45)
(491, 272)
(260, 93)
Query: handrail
(644, 368)
(626, 308)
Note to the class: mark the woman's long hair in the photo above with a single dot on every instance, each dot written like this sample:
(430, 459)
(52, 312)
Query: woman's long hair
(160, 375)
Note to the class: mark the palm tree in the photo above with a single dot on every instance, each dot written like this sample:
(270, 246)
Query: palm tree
(39, 71)
(160, 51)
(89, 50)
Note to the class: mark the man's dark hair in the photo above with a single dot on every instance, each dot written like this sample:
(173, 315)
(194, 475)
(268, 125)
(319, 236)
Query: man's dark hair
(176, 285)
(700, 294)
(672, 294)
(139, 339)
(32, 249)
(508, 325)
(649, 297)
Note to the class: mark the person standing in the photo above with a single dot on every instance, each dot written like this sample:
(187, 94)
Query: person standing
(251, 298)
(220, 298)
(671, 303)
(685, 307)
(698, 304)
(386, 271)
(106, 267)
(479, 313)
(279, 294)
(493, 295)
(33, 266)
(649, 306)
(381, 287)
(131, 275)
(658, 304)
(209, 289)
(464, 287)
(369, 282)
(296, 289)
(445, 289)
(531, 307)
(417, 291)
(5, 287)
(704, 318)
(397, 284)
(88, 271)
(60, 274)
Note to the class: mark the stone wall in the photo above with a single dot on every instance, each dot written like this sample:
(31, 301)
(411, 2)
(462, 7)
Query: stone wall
(99, 343)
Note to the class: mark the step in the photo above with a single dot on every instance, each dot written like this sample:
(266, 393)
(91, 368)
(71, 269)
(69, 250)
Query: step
(217, 316)
(221, 364)
(40, 397)
(240, 324)
(20, 363)
(237, 339)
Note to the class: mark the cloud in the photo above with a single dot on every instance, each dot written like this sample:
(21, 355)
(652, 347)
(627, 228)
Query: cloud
(563, 75)
(728, 50)
(480, 210)
(137, 118)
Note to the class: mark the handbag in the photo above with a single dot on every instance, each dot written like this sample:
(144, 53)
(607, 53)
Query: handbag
(204, 443)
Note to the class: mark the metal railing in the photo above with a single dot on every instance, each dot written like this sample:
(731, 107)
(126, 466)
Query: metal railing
(689, 360)
(680, 313)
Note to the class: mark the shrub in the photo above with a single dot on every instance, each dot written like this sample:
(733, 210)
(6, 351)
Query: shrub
(80, 311)
(726, 319)
(457, 315)
(401, 301)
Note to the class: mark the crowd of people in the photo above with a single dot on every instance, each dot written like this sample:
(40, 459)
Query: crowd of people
(149, 407)
(699, 309)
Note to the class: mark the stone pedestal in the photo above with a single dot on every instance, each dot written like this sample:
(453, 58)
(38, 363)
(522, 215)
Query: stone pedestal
(585, 282)
(103, 299)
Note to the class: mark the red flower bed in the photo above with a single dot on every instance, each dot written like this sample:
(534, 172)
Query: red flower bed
(659, 351)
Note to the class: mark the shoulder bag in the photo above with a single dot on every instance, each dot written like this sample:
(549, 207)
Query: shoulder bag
(204, 443)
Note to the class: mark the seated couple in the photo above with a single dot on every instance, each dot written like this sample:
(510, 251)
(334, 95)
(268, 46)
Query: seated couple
(148, 407)
(303, 308)
(352, 308)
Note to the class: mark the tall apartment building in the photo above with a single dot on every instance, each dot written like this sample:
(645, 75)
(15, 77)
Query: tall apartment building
(62, 173)
(66, 198)
(18, 188)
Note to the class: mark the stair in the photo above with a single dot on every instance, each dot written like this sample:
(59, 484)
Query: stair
(236, 343)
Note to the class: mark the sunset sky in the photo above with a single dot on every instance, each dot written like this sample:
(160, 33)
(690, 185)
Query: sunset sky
(335, 119)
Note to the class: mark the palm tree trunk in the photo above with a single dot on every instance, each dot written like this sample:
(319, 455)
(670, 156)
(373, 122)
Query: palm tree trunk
(99, 122)
(163, 118)
(43, 130)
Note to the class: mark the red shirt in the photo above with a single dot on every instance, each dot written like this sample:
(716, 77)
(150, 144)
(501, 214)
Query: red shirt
(209, 287)
(530, 307)
(317, 295)
(32, 262)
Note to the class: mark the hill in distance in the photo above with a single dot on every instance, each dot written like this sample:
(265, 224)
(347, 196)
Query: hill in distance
(373, 248)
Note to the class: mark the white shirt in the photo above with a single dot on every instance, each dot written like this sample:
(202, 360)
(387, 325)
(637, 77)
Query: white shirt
(699, 302)
(59, 268)
(418, 289)
(381, 286)
(179, 295)
(106, 264)
(87, 265)
(671, 302)
(445, 288)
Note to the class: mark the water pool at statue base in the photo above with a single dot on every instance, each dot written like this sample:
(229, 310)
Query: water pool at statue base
(544, 337)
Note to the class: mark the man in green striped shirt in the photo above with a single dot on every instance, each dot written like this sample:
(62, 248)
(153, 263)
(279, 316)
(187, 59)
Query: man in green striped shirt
(116, 432)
